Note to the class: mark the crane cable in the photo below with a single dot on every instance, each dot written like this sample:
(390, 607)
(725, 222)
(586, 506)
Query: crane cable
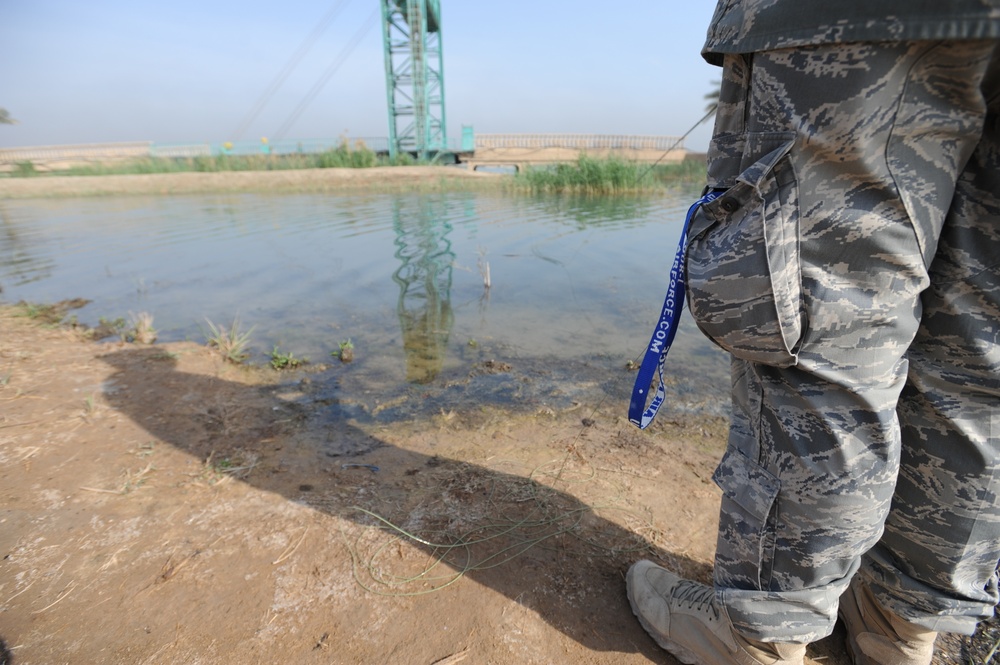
(292, 62)
(678, 142)
(331, 70)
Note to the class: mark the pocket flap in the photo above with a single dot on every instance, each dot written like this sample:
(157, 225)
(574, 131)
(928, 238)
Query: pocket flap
(773, 146)
(747, 484)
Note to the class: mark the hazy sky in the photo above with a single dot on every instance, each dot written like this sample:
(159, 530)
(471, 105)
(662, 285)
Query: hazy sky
(186, 70)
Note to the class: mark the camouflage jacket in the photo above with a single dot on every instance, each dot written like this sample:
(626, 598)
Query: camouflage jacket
(746, 26)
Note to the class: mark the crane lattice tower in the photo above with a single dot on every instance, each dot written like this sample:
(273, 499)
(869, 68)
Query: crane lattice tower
(414, 73)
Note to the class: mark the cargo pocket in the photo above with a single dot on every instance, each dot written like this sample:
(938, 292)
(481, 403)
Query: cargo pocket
(743, 266)
(745, 545)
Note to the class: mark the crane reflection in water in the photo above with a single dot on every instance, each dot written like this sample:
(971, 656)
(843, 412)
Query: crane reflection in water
(424, 276)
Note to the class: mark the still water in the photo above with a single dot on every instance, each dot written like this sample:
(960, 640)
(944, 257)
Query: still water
(576, 284)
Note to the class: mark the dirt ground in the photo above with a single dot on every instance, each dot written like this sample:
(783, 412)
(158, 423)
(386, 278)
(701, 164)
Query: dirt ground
(162, 506)
(159, 505)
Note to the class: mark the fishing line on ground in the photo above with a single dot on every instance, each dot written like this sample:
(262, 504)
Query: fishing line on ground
(543, 522)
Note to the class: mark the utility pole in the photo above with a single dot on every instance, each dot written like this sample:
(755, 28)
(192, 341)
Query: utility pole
(414, 74)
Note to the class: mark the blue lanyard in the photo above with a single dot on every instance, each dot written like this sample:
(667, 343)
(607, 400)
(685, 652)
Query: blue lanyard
(663, 334)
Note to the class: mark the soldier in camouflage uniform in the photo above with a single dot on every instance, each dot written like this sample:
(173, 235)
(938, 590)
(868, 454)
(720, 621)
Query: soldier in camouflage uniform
(852, 269)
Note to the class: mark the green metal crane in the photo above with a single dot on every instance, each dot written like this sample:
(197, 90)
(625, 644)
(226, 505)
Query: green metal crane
(414, 75)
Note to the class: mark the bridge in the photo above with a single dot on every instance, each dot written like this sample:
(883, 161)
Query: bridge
(481, 150)
(521, 150)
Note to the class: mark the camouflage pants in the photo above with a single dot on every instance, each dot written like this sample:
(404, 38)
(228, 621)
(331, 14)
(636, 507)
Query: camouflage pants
(852, 270)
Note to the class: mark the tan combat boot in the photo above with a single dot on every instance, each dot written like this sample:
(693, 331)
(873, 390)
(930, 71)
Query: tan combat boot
(683, 617)
(876, 636)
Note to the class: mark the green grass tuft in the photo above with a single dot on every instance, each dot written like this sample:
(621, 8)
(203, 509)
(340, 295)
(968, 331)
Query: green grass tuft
(612, 175)
(232, 343)
(281, 360)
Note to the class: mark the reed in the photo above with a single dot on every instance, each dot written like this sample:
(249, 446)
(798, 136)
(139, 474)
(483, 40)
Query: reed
(685, 171)
(612, 175)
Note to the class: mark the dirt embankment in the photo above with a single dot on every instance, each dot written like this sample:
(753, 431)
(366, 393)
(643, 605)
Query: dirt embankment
(300, 180)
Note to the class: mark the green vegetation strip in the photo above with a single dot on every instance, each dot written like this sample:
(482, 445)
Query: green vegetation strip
(606, 176)
(344, 156)
(587, 175)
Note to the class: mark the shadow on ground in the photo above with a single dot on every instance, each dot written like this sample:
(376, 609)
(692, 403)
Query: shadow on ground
(513, 534)
(520, 534)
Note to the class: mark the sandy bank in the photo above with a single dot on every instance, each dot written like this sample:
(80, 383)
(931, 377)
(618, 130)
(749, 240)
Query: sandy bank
(303, 180)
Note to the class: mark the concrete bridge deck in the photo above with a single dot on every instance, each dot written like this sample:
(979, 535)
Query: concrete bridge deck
(520, 150)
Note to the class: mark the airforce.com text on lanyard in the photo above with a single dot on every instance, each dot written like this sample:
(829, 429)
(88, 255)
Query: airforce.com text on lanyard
(663, 335)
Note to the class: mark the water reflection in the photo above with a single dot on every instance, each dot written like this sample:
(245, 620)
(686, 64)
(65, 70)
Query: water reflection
(424, 277)
(576, 283)
(585, 212)
(18, 258)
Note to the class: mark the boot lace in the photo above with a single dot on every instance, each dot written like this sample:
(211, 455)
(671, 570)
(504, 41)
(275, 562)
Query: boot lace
(697, 597)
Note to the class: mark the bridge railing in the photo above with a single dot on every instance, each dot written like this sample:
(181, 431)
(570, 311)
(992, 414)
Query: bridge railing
(579, 141)
(97, 152)
(283, 147)
(81, 152)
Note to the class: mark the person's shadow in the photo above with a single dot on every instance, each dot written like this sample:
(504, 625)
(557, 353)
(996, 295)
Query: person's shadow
(509, 533)
(506, 531)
